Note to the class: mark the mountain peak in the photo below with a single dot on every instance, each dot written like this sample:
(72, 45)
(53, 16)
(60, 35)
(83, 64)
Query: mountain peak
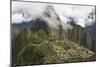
(50, 12)
(51, 17)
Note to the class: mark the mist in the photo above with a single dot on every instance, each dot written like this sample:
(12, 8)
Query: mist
(26, 11)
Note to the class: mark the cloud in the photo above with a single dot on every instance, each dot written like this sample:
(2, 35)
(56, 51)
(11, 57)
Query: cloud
(18, 18)
(80, 13)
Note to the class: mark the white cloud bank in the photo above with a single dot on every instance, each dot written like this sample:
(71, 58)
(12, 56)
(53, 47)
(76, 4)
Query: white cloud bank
(32, 10)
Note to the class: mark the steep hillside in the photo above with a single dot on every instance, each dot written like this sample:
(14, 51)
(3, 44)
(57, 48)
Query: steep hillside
(37, 48)
(80, 36)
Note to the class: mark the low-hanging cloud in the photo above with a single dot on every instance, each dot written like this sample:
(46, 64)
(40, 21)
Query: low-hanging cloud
(33, 10)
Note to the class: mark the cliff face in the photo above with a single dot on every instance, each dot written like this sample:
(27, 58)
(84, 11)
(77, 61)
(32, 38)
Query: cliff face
(80, 36)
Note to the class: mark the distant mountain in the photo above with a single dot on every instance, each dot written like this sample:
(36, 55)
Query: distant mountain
(90, 26)
(92, 30)
(17, 27)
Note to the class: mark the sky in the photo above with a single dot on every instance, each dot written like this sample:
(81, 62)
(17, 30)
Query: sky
(33, 10)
